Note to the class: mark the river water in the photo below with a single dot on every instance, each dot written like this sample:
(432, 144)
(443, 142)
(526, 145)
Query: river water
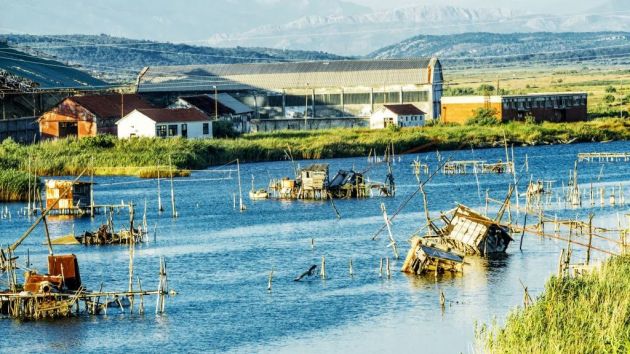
(218, 260)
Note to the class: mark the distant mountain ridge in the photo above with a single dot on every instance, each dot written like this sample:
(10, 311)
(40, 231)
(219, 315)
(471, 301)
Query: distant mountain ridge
(121, 59)
(532, 48)
(360, 34)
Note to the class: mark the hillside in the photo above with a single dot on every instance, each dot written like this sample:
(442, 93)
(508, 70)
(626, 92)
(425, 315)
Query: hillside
(532, 48)
(121, 59)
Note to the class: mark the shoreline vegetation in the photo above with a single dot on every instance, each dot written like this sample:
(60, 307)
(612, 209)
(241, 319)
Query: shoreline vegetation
(584, 314)
(143, 157)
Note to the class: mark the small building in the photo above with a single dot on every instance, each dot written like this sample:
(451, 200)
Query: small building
(551, 107)
(313, 181)
(90, 115)
(68, 195)
(401, 115)
(221, 106)
(165, 123)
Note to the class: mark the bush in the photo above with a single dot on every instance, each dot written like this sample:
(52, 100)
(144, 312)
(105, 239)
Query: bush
(485, 89)
(484, 116)
(223, 129)
(611, 89)
(609, 99)
(530, 119)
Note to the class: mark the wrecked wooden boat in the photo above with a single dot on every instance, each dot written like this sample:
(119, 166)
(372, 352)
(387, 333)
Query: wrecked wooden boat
(424, 257)
(472, 233)
(103, 236)
(259, 194)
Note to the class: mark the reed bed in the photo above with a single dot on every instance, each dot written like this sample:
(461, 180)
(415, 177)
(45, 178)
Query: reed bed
(587, 314)
(106, 155)
(14, 185)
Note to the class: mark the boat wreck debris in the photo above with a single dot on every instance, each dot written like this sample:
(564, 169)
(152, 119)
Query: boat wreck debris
(425, 257)
(313, 183)
(309, 273)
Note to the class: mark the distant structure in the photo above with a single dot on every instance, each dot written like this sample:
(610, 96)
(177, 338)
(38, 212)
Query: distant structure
(220, 107)
(400, 115)
(29, 86)
(88, 115)
(165, 123)
(551, 107)
(305, 95)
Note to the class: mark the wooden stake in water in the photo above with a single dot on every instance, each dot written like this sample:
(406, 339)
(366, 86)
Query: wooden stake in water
(322, 271)
(351, 270)
(380, 268)
(173, 210)
(160, 208)
(392, 243)
(270, 280)
(389, 273)
(241, 206)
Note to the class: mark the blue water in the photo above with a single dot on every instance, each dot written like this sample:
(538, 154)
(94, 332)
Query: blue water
(218, 260)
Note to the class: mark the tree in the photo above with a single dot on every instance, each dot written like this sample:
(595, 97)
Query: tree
(611, 89)
(609, 99)
(485, 89)
(484, 116)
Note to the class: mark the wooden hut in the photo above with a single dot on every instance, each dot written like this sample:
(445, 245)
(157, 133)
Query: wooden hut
(73, 197)
(313, 181)
(474, 234)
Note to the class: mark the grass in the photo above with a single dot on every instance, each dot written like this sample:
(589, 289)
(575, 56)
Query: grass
(106, 155)
(14, 185)
(588, 314)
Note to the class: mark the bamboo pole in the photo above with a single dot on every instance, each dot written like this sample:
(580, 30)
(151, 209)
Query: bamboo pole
(173, 210)
(322, 271)
(160, 208)
(241, 206)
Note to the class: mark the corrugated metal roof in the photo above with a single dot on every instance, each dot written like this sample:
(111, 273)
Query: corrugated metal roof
(404, 109)
(437, 253)
(226, 104)
(164, 115)
(313, 74)
(46, 73)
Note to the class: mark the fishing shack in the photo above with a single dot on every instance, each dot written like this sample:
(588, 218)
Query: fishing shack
(69, 197)
(313, 182)
(425, 256)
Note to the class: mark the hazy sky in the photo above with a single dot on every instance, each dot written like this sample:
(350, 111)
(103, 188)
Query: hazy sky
(560, 6)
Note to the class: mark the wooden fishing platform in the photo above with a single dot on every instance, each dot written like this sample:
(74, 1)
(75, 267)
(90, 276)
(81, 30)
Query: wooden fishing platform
(604, 156)
(464, 167)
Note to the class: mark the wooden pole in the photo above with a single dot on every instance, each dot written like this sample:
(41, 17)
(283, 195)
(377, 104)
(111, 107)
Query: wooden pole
(389, 231)
(270, 280)
(173, 210)
(590, 238)
(240, 190)
(160, 208)
(351, 270)
(323, 268)
(92, 187)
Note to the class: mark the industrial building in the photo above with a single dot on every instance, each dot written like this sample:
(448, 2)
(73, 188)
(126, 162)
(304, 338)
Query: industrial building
(551, 107)
(304, 95)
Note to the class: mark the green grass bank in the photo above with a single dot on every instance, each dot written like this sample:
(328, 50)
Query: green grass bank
(106, 155)
(587, 314)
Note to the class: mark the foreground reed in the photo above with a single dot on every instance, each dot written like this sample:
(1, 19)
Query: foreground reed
(586, 314)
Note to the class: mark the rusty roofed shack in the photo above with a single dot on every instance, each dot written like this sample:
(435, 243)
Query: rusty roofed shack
(89, 115)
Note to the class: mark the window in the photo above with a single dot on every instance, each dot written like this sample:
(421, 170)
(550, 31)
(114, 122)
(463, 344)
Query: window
(185, 130)
(172, 130)
(332, 99)
(356, 98)
(206, 128)
(386, 97)
(415, 96)
(160, 131)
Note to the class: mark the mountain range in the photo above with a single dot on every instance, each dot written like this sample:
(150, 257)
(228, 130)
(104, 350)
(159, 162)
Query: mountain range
(343, 27)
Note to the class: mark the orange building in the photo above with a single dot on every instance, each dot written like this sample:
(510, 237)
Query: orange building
(550, 107)
(90, 115)
(458, 109)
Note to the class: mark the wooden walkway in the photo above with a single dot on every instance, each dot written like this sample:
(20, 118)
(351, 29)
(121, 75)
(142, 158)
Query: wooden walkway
(604, 156)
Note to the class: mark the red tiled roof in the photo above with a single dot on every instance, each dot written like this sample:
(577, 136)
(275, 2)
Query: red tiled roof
(404, 109)
(164, 115)
(109, 106)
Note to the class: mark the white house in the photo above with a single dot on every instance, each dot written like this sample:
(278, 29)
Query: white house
(165, 123)
(402, 115)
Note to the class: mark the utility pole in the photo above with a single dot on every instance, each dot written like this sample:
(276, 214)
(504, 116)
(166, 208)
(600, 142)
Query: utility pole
(216, 104)
(306, 107)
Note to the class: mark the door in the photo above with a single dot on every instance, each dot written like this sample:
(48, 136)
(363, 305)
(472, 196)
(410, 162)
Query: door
(184, 130)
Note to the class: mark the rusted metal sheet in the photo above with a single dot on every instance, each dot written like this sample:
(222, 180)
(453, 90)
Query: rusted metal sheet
(66, 266)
